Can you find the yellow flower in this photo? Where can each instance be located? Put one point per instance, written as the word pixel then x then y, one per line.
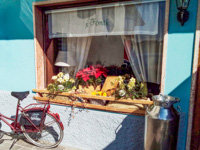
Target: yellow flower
pixel 60 74
pixel 93 93
pixel 141 85
pixel 122 86
pixel 74 88
pixel 120 79
pixel 104 94
pixel 72 80
pixel 100 93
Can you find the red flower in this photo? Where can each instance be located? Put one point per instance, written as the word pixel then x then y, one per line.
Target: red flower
pixel 95 71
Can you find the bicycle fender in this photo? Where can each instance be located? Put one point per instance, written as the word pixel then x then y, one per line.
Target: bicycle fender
pixel 57 117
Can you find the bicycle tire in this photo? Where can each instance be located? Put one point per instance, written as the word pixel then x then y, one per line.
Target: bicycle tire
pixel 1 134
pixel 38 138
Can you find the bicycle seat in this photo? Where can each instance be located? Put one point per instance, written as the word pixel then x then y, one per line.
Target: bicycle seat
pixel 20 95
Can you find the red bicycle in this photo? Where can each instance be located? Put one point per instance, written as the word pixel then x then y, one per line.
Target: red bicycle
pixel 39 126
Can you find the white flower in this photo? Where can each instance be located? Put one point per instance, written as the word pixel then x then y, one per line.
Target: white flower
pixel 132 80
pixel 120 79
pixel 61 87
pixel 130 86
pixel 60 74
pixel 54 77
pixel 131 83
pixel 66 77
pixel 60 80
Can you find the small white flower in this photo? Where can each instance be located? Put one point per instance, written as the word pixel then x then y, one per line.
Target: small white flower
pixel 66 77
pixel 54 77
pixel 60 80
pixel 132 80
pixel 61 87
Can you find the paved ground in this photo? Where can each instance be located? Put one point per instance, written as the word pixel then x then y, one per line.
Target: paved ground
pixel 23 145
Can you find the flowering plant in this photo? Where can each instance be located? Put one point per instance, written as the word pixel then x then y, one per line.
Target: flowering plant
pixel 93 75
pixel 115 70
pixel 130 88
pixel 61 83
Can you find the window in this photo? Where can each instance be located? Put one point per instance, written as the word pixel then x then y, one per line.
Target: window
pixel 124 34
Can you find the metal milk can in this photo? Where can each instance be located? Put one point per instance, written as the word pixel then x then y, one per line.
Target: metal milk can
pixel 161 124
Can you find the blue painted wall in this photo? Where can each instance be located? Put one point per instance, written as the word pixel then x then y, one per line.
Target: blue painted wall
pixel 179 62
pixel 17 61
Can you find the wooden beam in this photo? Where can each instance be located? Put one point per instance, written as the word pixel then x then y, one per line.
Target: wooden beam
pixel 88 96
pixel 50 3
pixel 39 46
pixel 91 106
pixel 164 55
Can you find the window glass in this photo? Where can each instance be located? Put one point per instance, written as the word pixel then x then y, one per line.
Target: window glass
pixel 126 38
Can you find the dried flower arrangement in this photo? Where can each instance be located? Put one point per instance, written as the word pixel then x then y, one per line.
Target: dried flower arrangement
pixel 130 88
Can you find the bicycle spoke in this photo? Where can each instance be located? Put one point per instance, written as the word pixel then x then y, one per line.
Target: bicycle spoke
pixel 51 133
pixel 49 123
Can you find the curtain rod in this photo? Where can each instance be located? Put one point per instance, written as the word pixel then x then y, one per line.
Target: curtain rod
pixel 101 5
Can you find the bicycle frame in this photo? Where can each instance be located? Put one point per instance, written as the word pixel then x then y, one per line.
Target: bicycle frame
pixel 15 126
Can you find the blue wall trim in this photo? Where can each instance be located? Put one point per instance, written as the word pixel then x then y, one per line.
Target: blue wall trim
pixel 179 62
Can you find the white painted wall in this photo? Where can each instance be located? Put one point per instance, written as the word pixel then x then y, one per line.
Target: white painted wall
pixel 90 129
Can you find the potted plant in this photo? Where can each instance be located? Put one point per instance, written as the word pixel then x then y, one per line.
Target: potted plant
pixel 130 88
pixel 91 78
pixel 61 83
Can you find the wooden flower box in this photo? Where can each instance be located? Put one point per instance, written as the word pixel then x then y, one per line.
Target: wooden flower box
pixel 133 111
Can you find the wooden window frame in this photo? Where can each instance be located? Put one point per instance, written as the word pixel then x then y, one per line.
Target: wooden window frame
pixel 44 46
pixel 39 38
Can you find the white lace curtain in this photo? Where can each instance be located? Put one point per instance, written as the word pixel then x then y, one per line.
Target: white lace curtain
pixel 145 52
pixel 80 46
pixel 139 25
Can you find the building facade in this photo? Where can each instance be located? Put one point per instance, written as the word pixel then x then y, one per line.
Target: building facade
pixel 91 129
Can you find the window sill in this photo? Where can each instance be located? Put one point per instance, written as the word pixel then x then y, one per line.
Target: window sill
pixel 132 111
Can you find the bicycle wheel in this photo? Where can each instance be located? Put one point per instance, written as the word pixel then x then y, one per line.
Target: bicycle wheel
pixel 50 136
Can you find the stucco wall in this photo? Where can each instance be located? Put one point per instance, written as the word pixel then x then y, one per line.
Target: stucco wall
pixel 89 130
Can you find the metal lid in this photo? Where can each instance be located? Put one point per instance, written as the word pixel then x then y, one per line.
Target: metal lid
pixel 165 100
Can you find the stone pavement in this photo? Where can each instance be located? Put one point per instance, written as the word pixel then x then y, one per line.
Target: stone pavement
pixel 21 144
